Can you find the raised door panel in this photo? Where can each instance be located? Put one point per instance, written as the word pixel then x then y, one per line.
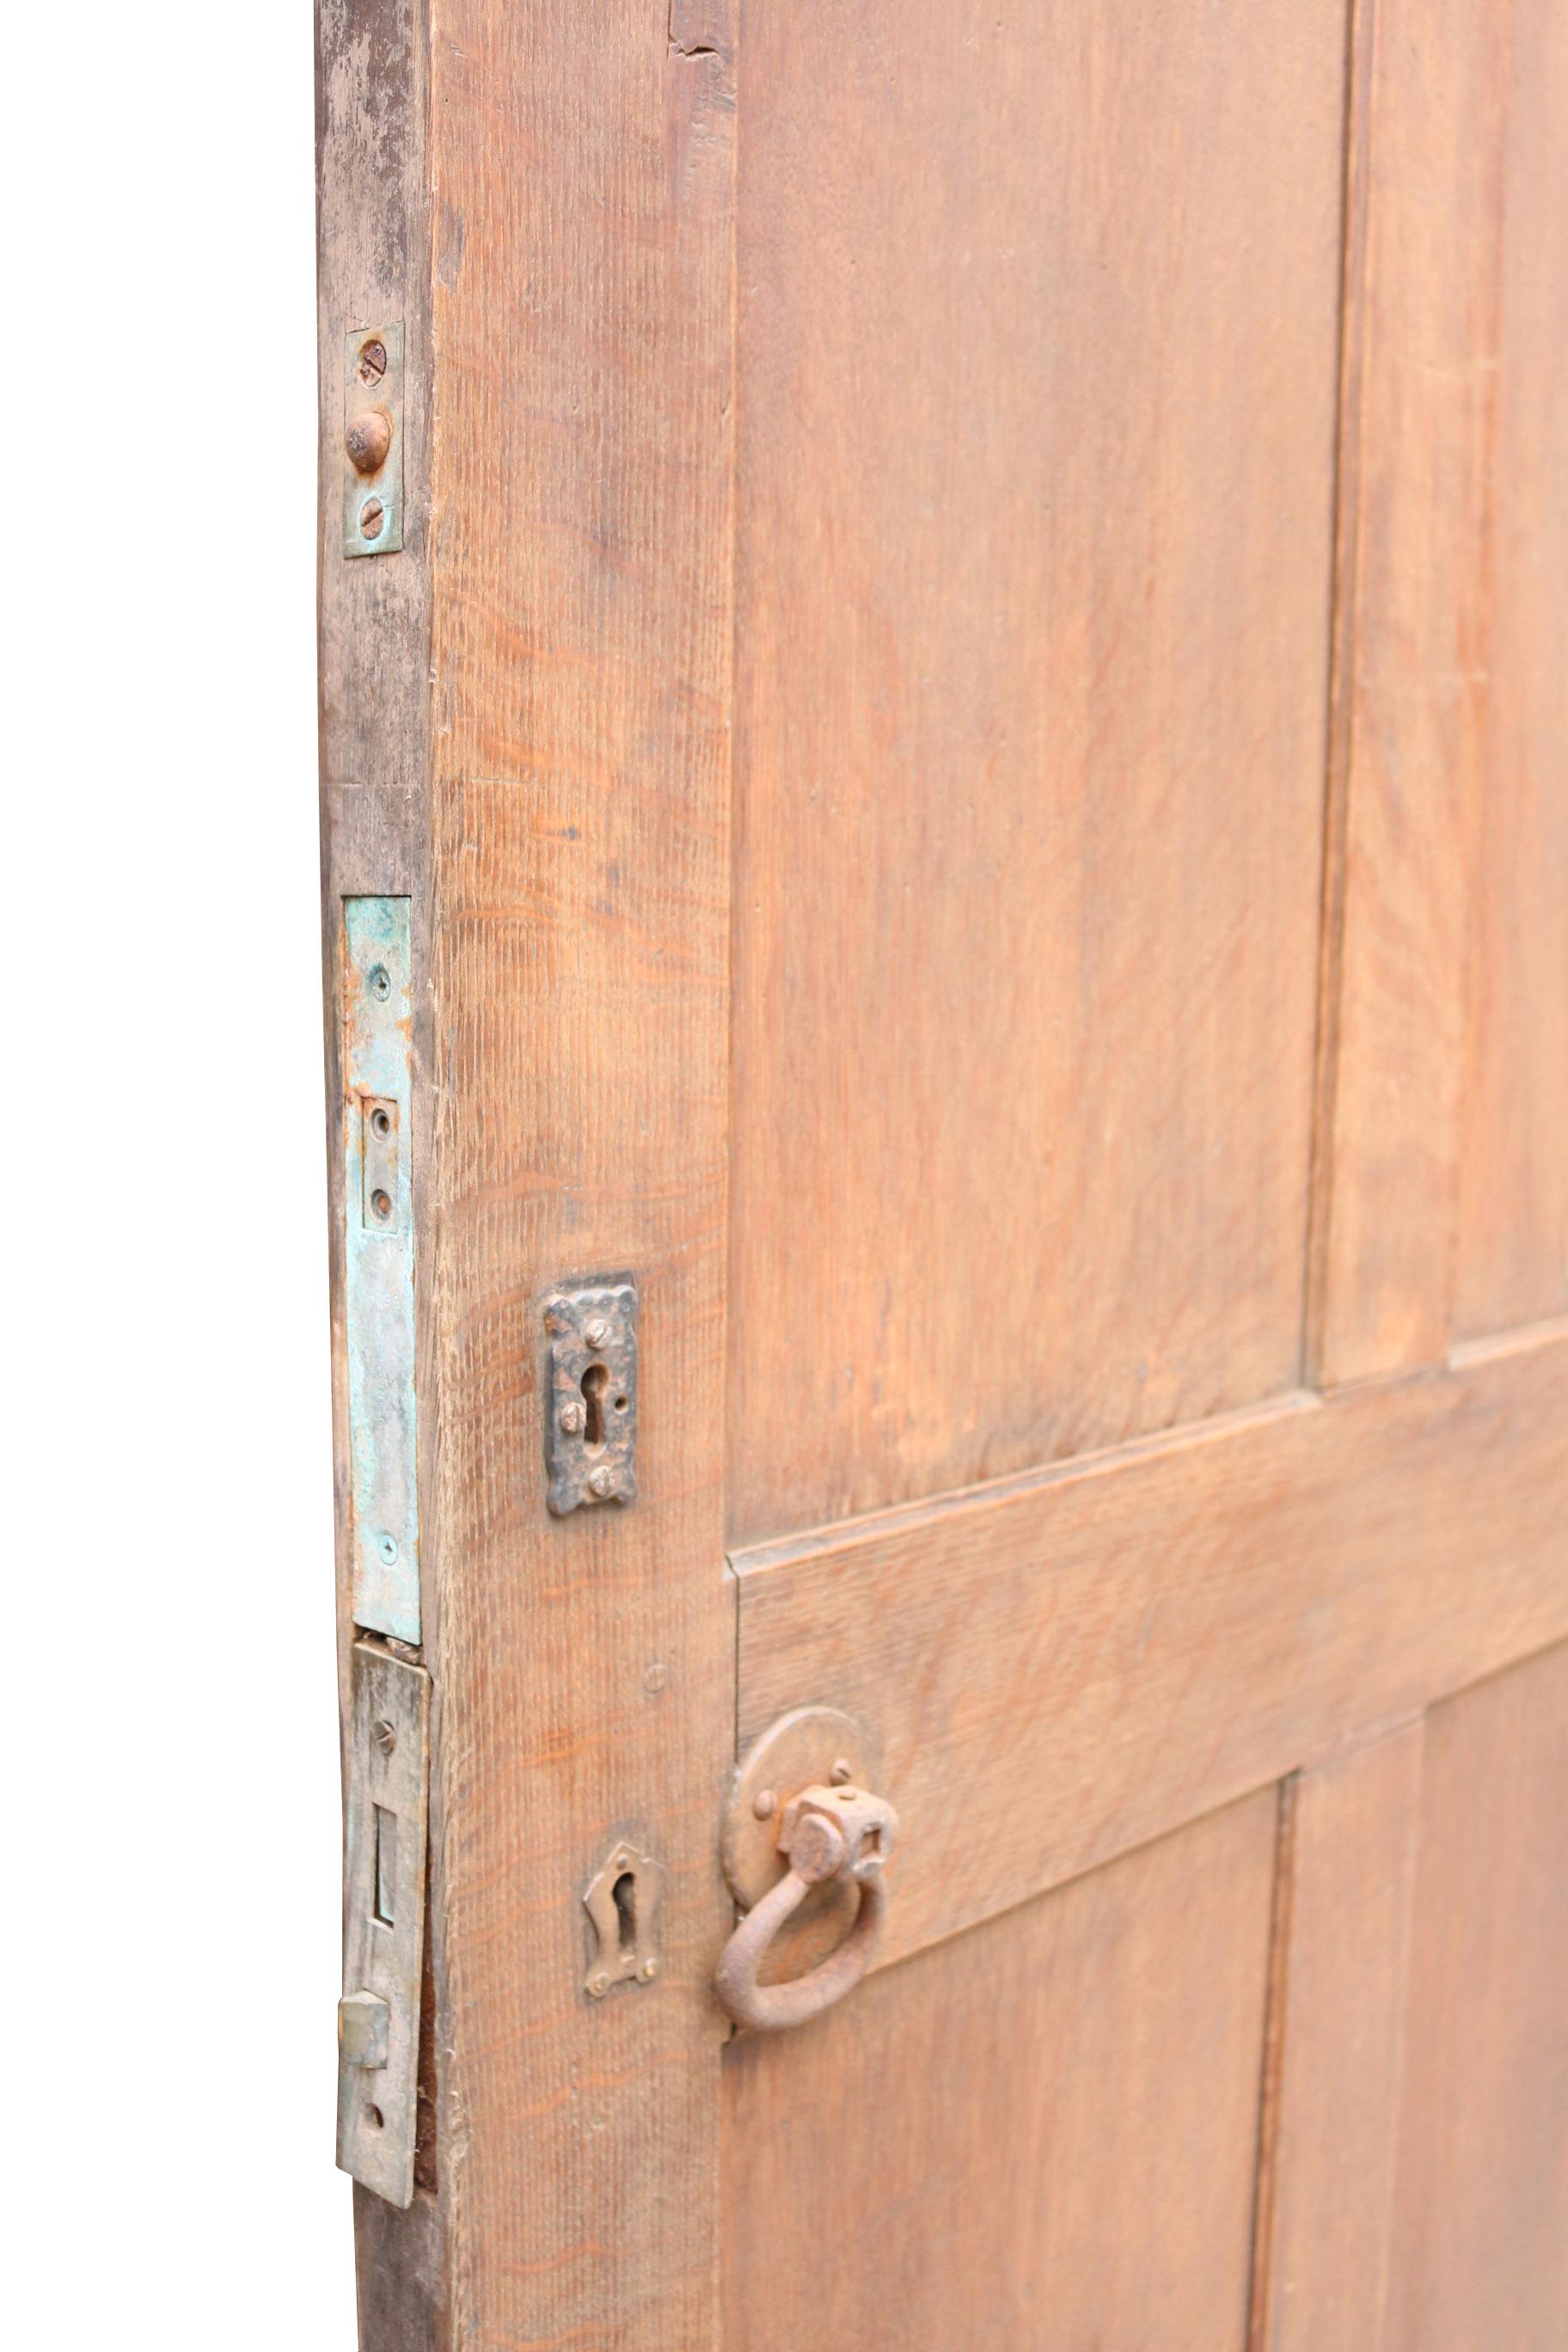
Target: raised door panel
pixel 1039 2136
pixel 1480 2240
pixel 1036 380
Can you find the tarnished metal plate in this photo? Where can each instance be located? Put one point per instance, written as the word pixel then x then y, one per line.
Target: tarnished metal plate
pixel 384 1941
pixel 372 440
pixel 622 1903
pixel 378 1212
pixel 591 1396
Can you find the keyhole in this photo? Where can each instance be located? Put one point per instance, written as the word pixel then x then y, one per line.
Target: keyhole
pixel 595 1381
pixel 624 1892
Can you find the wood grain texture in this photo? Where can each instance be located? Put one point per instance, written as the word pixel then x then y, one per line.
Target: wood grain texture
pixel 580 491
pixel 1348 1867
pixel 1480 2253
pixel 1447 1172
pixel 1135 1640
pixel 374 658
pixel 1039 2138
pixel 1038 364
pixel 1512 1259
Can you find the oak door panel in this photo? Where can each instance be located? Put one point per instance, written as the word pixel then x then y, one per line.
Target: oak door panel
pixel 1480 2243
pixel 1039 2136
pixel 1444 1204
pixel 1036 377
pixel 1331 2138
pixel 1513 1258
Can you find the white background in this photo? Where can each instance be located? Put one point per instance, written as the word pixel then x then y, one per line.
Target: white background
pixel 170 1744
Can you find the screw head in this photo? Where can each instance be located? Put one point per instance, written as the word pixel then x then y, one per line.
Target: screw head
pixel 649 1971
pixel 385 1735
pixel 387 1546
pixel 764 1804
pixel 655 1675
pixel 599 1983
pixel 373 362
pixel 372 516
pixel 596 1332
pixel 378 980
pixel 602 1482
pixel 842 1771
pixel 571 1419
pixel 367 441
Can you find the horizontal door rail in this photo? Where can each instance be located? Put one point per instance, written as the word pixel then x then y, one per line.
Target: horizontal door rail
pixel 1063 1665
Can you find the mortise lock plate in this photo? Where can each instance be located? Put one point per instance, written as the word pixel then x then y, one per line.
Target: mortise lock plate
pixel 591 1394
pixel 383 1946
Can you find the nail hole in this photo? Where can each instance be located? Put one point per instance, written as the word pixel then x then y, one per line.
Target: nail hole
pixel 620 1404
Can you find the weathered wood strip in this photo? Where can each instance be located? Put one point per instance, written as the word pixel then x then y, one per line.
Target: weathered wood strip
pixel 1060 1666
pixel 580 656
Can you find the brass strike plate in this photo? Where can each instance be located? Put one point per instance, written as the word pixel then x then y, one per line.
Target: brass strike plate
pixel 372 440
pixel 591 1394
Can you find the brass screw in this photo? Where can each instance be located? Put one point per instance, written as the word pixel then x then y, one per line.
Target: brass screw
pixel 650 1970
pixel 571 1419
pixel 367 441
pixel 764 1804
pixel 842 1771
pixel 596 1332
pixel 599 1984
pixel 384 1735
pixel 602 1482
pixel 372 362
pixel 372 515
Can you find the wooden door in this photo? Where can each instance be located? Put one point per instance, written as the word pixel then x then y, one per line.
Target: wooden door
pixel 972 721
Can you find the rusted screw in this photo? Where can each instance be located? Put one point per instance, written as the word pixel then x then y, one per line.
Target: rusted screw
pixel 649 1971
pixel 372 515
pixel 596 1332
pixel 602 1482
pixel 373 362
pixel 764 1804
pixel 599 1983
pixel 367 441
pixel 571 1419
pixel 842 1771
pixel 384 1735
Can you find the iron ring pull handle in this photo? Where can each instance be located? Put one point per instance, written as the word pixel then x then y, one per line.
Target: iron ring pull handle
pixel 825 1834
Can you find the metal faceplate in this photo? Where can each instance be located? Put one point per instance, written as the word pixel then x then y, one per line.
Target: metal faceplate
pixel 383 1945
pixel 378 1240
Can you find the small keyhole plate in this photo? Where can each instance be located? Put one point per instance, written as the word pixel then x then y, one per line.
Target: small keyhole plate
pixel 591 1394
pixel 622 1903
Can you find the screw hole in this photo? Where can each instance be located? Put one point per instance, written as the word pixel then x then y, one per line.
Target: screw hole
pixel 379 981
pixel 620 1404
pixel 381 1122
